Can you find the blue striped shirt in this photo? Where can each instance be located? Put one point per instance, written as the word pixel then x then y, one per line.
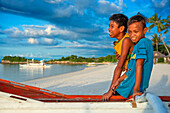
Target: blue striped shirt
pixel 142 50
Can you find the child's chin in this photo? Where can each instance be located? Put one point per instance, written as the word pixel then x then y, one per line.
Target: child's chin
pixel 133 41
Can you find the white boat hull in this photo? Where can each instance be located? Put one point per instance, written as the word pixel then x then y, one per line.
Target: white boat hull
pixel 34 65
pixel 11 105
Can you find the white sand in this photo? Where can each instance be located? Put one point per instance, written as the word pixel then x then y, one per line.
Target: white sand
pixel 96 81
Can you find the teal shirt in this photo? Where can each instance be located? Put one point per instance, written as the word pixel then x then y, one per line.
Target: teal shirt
pixel 142 50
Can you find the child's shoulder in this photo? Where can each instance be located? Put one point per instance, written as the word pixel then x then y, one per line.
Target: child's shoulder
pixel 144 43
pixel 127 40
pixel 144 40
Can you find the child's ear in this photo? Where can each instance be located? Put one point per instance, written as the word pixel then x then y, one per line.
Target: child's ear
pixel 145 30
pixel 122 28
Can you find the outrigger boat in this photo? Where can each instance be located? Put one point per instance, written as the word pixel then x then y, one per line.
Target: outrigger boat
pixel 17 97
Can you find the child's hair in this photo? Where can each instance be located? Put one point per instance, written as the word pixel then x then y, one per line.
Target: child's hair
pixel 138 18
pixel 120 19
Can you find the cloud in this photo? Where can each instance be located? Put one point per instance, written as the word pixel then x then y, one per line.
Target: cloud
pixel 36 31
pixel 33 41
pixel 47 40
pixel 84 46
pixel 73 15
pixel 107 8
pixel 159 4
pixel 162 7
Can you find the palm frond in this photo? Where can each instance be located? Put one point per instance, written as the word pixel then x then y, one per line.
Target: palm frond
pixel 150 27
pixel 165 20
pixel 161 25
pixel 166 31
pixel 156 16
pixel 159 18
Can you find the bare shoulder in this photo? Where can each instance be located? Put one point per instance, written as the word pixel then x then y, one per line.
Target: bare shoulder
pixel 127 41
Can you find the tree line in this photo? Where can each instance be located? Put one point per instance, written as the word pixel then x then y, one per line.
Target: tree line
pixel 15 58
pixel 18 59
pixel 74 58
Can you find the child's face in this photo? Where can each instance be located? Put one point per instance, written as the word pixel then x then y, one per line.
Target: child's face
pixel 136 31
pixel 114 31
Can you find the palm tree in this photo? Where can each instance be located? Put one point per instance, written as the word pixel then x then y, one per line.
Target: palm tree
pixel 157 22
pixel 156 40
pixel 167 25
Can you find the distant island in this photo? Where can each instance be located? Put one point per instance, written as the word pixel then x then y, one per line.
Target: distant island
pixel 73 59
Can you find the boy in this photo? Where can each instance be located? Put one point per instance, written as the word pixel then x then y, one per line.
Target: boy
pixel 124 46
pixel 136 79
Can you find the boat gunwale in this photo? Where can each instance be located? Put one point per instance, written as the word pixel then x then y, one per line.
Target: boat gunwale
pixel 45 95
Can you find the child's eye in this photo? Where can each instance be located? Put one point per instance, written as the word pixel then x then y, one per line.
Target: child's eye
pixel 135 31
pixel 111 26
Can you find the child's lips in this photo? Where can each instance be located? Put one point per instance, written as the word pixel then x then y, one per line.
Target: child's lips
pixel 133 39
pixel 110 33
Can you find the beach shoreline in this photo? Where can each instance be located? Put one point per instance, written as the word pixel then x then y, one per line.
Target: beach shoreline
pixel 97 80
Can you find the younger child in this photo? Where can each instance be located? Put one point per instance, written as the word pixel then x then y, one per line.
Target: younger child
pixel 136 79
pixel 117 29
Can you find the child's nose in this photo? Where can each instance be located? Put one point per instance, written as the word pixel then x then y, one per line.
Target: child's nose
pixel 133 34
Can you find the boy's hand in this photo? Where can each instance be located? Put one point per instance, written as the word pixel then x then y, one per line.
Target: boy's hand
pixel 107 96
pixel 117 56
pixel 115 85
pixel 112 90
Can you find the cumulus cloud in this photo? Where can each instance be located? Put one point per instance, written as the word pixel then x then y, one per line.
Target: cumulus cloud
pixel 59 11
pixel 71 19
pixel 106 7
pixel 161 4
pixel 36 31
pixel 47 40
pixel 33 41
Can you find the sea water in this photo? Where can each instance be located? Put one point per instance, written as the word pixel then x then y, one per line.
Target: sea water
pixel 15 73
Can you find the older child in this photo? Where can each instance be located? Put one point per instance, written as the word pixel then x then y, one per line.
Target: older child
pixel 124 46
pixel 136 79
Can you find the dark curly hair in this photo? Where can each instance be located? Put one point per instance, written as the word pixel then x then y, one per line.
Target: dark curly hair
pixel 138 18
pixel 120 19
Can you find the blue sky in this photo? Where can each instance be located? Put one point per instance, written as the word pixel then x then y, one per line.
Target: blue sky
pixel 54 28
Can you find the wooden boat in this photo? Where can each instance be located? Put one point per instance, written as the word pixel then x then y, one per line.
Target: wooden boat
pixel 29 98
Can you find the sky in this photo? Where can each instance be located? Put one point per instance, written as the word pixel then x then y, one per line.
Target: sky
pixel 50 29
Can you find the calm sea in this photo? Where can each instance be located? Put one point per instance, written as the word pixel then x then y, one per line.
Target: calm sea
pixel 18 74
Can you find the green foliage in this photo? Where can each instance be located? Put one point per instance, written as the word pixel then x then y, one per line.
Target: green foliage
pixel 160 60
pixel 15 59
pixel 74 58
pixel 161 49
pixel 161 25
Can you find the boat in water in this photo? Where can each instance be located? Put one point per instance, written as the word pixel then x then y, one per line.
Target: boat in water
pixel 25 98
pixel 91 64
pixel 41 64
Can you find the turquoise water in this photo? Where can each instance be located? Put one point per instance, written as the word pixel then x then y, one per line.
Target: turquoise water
pixel 18 74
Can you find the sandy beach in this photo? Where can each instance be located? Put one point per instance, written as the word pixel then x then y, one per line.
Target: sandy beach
pixel 96 81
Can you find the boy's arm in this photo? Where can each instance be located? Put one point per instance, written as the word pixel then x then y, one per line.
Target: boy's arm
pixel 107 95
pixel 138 77
pixel 119 80
pixel 126 44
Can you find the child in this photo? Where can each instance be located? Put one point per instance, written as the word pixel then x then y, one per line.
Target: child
pixel 136 79
pixel 124 46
